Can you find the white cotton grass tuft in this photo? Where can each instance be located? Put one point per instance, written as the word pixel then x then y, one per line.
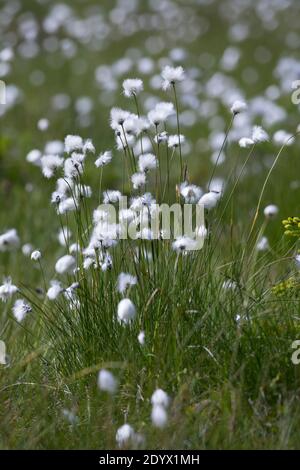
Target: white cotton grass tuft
pixel 125 280
pixel 246 142
pixel 126 311
pixel 176 140
pixel 65 265
pixel 27 249
pixel 138 180
pixel 7 290
pixel 184 244
pixel 190 192
pixel 73 143
pixel 160 397
pixel 132 87
pixel 210 200
pixel 103 159
pixel 107 382
pixel 111 196
pixel 297 261
pixel 271 211
pixel 21 309
pixel 259 135
pixel 141 338
pixel 54 290
pixel 36 255
pixel 171 76
pixel 159 416
pixel 238 107
pixel 125 434
pixel 263 244
pixel 147 162
pixel 9 240
pixel 160 402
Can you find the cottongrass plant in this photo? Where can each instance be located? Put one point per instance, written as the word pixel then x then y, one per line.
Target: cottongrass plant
pixel 119 318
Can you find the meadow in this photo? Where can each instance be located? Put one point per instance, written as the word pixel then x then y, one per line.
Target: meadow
pixel 147 343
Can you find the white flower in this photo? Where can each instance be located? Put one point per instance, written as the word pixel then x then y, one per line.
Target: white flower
pixel 141 338
pixel 20 309
pixel 73 167
pixel 73 143
pixel 34 157
pixel 263 244
pixel 161 398
pixel 132 87
pixel 64 235
pixel 161 137
pixel 43 124
pixel 118 117
pixel 171 75
pixel 183 244
pixel 190 192
pixel 159 416
pixel 124 435
pixel 124 281
pixel 27 249
pixel 210 200
pixel 259 135
pixel 50 163
pixel 246 142
pixel 36 255
pixel 138 180
pixel 238 107
pixel 9 240
pixel 271 211
pixel 147 162
pixel 65 264
pixel 111 196
pixel 281 137
pixel 126 311
pixel 55 289
pixel 175 140
pixel 160 113
pixel 297 261
pixel 88 147
pixel 7 290
pixel 103 159
pixel 107 382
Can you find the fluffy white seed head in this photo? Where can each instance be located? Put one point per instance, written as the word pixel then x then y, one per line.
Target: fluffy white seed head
pixel 125 280
pixel 21 309
pixel 65 264
pixel 103 159
pixel 132 87
pixel 172 75
pixel 36 255
pixel 159 416
pixel 73 143
pixel 210 200
pixel 107 381
pixel 9 240
pixel 124 435
pixel 259 135
pixel 238 107
pixel 271 211
pixel 126 311
pixel 147 162
pixel 161 398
